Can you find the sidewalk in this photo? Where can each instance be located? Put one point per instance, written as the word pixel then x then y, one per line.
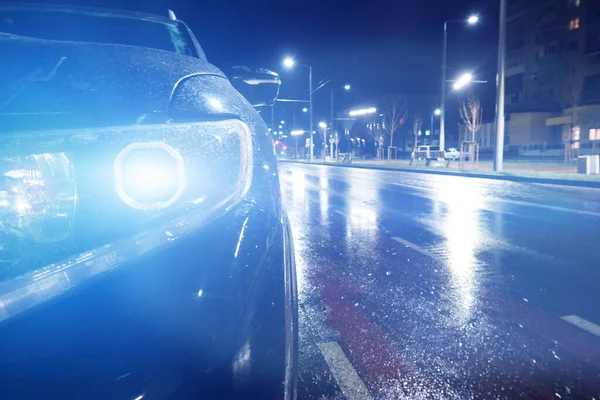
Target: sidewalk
pixel 516 171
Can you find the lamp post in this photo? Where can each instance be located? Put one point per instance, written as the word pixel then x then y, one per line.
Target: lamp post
pixel 472 20
pixel 346 88
pixel 499 153
pixel 289 62
pixel 436 113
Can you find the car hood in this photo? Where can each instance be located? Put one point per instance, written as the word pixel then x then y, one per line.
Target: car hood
pixel 94 84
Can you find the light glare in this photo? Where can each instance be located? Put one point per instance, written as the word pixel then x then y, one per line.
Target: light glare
pixel 463 81
pixel 288 62
pixel 145 179
pixel 364 111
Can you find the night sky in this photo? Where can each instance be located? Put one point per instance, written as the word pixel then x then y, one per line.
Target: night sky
pixel 380 47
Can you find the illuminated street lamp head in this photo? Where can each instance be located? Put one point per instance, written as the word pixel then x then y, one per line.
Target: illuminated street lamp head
pixel 322 125
pixel 437 112
pixel 282 122
pixel 473 19
pixel 363 111
pixel 288 62
pixel 346 87
pixel 463 81
pixel 305 109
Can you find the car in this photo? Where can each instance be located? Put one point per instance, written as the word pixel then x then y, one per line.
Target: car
pixel 425 152
pixel 144 250
pixel 452 154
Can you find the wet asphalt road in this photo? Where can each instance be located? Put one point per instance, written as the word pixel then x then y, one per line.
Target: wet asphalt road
pixel 424 286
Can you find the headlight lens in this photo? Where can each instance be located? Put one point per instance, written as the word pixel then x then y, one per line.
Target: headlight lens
pixel 149 176
pixel 75 204
pixel 37 196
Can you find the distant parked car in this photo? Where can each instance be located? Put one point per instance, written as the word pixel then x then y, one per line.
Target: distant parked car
pixel 452 154
pixel 426 152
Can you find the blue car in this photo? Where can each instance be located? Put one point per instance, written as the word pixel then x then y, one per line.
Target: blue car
pixel 144 251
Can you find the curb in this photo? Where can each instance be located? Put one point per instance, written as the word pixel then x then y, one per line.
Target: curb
pixel 510 178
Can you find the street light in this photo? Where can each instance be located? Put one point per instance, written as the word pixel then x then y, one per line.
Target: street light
pixel 472 20
pixel 304 109
pixel 346 88
pixel 437 112
pixel 282 122
pixel 289 62
pixel 362 111
pixel 322 125
pixel 463 81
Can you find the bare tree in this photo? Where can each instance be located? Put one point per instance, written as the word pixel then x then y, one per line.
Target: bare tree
pixel 568 89
pixel 471 113
pixel 417 123
pixel 395 115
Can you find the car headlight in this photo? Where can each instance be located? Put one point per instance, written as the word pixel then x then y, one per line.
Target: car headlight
pixel 74 204
pixel 37 196
pixel 149 176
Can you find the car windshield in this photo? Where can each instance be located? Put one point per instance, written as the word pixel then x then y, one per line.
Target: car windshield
pixel 97 28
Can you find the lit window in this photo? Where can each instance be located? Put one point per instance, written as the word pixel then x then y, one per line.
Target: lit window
pixel 574 24
pixel 594 134
pixel 576 132
pixel 574 3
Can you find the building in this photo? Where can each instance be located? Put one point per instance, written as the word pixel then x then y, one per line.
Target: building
pixel 553 72
pixel 485 136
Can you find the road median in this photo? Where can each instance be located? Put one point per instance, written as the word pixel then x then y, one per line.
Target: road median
pixel 514 175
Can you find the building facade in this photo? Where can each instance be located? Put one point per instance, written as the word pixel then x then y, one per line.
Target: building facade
pixel 553 72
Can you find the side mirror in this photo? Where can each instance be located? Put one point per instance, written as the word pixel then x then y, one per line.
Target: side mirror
pixel 259 86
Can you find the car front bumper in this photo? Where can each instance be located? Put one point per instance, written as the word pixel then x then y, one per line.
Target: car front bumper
pixel 212 315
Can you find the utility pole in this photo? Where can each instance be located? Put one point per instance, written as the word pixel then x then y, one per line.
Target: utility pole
pixel 444 83
pixel 331 116
pixel 273 118
pixel 432 131
pixel 500 122
pixel 310 101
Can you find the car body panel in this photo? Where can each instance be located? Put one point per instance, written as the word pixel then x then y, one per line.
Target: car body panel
pixel 149 327
pixel 212 314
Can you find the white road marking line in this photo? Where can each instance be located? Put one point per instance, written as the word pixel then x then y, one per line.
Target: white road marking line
pixel 583 324
pixel 344 373
pixel 413 246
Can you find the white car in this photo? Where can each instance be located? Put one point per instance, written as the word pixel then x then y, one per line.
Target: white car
pixel 424 151
pixel 452 154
